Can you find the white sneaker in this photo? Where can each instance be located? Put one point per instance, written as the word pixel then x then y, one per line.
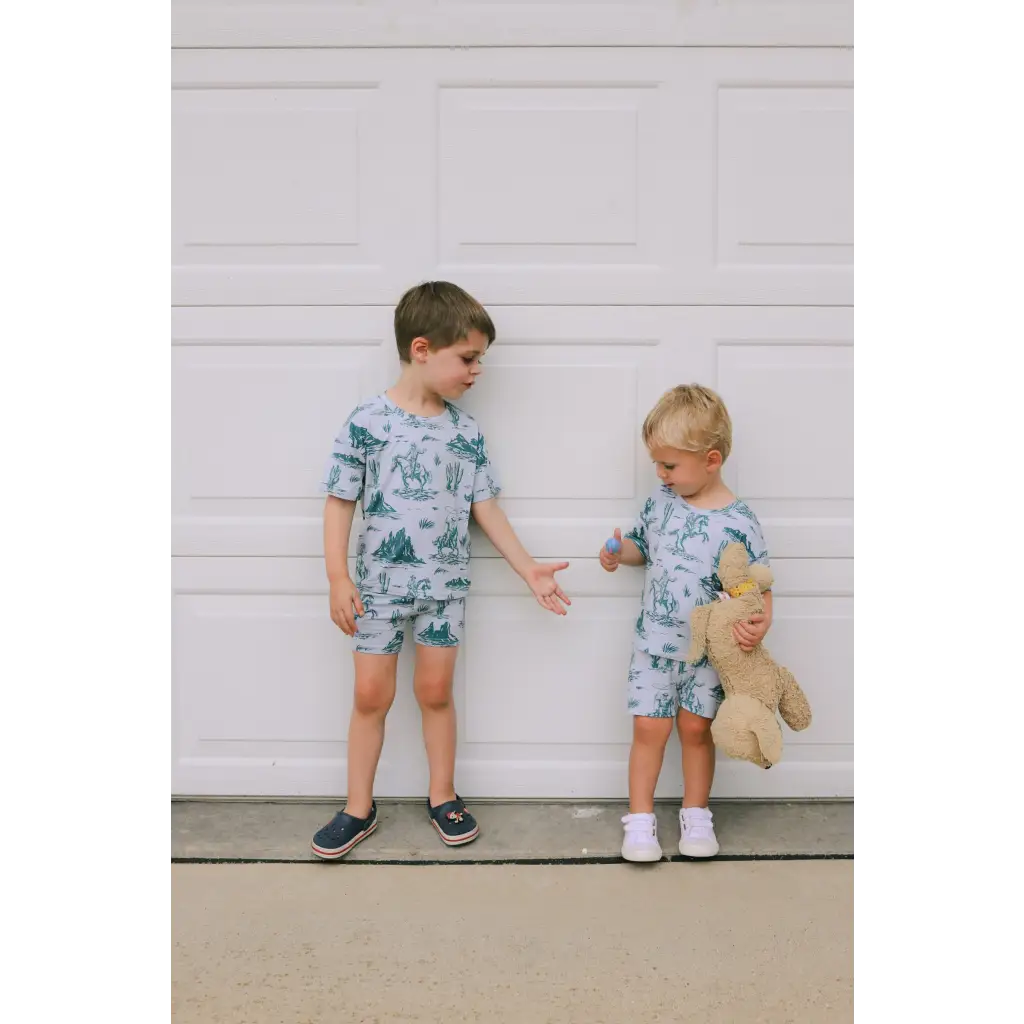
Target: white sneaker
pixel 640 838
pixel 696 833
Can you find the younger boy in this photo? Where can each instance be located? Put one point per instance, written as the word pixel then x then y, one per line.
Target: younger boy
pixel 420 467
pixel 679 537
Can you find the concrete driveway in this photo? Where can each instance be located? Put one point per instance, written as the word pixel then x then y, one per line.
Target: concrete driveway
pixel 720 943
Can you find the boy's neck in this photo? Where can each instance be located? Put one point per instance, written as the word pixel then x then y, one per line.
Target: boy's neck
pixel 712 496
pixel 412 395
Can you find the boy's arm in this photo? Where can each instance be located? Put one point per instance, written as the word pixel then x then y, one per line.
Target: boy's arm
pixel 539 577
pixel 630 553
pixel 338 516
pixel 749 634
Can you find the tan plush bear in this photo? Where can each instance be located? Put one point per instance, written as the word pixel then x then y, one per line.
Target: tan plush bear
pixel 755 686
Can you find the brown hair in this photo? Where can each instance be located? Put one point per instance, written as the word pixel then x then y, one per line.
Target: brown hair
pixel 691 418
pixel 440 312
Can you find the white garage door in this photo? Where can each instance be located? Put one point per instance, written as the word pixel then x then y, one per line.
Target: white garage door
pixel 665 195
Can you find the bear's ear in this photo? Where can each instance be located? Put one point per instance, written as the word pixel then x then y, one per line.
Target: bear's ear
pixel 733 564
pixel 762 576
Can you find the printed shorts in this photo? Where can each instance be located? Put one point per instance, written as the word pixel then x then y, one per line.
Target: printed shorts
pixel 435 622
pixel 660 687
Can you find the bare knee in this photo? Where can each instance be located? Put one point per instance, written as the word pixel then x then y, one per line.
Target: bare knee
pixel 433 691
pixel 372 700
pixel 651 732
pixel 694 729
pixel 374 690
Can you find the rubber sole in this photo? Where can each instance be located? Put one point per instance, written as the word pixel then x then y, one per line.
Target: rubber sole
pixel 342 850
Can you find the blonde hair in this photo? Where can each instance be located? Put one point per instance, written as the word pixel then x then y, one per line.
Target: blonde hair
pixel 691 418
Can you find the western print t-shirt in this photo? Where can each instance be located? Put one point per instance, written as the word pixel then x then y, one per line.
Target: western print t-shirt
pixel 682 545
pixel 416 477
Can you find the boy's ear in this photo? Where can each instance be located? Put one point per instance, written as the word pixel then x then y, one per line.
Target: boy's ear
pixel 418 349
pixel 714 459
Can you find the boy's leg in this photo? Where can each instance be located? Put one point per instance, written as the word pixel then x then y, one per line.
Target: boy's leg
pixel 699 694
pixel 698 758
pixel 650 735
pixel 438 629
pixel 432 684
pixel 372 698
pixel 652 701
pixel 699 697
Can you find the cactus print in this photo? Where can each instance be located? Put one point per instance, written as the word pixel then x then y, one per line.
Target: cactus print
pixel 681 546
pixel 434 623
pixel 660 687
pixel 416 479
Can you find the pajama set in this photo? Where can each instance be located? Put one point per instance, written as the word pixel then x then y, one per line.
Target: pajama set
pixel 417 478
pixel 681 546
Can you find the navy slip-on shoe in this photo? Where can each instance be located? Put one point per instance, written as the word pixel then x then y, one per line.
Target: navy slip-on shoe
pixel 342 833
pixel 454 824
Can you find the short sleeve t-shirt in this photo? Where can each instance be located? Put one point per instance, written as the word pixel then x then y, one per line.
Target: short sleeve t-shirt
pixel 417 478
pixel 682 545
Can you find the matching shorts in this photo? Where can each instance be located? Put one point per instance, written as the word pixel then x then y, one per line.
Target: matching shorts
pixel 435 622
pixel 660 687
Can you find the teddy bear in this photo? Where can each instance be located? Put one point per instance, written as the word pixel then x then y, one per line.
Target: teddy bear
pixel 755 686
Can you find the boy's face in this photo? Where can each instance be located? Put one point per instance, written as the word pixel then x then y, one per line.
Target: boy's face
pixel 452 371
pixel 686 473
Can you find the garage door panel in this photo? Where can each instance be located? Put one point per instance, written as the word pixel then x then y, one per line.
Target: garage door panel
pixel 492 577
pixel 569 175
pixel 513 23
pixel 261 669
pixel 793 406
pixel 263 689
pixel 573 438
pixel 270 169
pixel 536 679
pixel 634 217
pixel 263 684
pixel 274 183
pixel 785 176
pixel 282 326
pixel 565 176
pixel 813 638
pixel 825 773
pixel 561 400
pixel 258 395
pixel 250 424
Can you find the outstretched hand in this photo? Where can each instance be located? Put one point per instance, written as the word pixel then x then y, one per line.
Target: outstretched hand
pixel 540 578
